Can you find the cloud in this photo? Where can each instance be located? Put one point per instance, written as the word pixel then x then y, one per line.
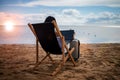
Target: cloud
pixel 66 17
pixel 71 12
pixel 71 17
pixel 110 3
pixel 16 18
pixel 34 18
pixel 74 17
pixel 103 18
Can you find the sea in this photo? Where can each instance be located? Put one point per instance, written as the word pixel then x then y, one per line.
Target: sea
pixel 21 34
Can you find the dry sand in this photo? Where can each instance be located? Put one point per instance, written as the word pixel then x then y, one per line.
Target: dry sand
pixel 96 62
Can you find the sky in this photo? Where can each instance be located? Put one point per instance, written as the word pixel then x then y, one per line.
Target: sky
pixel 101 17
pixel 66 12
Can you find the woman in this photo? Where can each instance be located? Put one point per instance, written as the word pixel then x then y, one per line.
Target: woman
pixel 50 19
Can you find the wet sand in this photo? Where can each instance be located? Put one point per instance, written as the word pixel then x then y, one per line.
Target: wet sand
pixel 96 62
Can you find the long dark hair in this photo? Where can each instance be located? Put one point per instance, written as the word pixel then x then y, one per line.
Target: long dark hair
pixel 49 19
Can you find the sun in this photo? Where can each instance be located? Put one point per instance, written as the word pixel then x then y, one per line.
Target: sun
pixel 9 26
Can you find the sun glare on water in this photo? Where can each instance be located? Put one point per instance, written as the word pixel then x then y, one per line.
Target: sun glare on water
pixel 9 26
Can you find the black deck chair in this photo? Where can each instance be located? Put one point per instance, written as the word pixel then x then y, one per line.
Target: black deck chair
pixel 45 34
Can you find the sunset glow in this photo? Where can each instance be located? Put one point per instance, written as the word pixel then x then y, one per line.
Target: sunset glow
pixel 9 26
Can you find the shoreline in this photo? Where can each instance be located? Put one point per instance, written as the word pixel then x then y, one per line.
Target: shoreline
pixel 80 43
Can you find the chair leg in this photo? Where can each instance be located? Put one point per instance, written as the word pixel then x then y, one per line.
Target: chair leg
pixel 51 59
pixel 37 49
pixel 69 53
pixel 72 60
pixel 62 63
pixel 58 68
pixel 41 61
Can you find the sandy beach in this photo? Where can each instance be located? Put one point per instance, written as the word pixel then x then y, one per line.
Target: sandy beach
pixel 96 62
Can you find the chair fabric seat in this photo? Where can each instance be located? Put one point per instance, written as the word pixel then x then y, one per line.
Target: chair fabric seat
pixel 47 37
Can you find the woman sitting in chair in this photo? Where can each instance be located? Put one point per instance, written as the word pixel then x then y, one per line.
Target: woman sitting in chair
pixel 50 19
